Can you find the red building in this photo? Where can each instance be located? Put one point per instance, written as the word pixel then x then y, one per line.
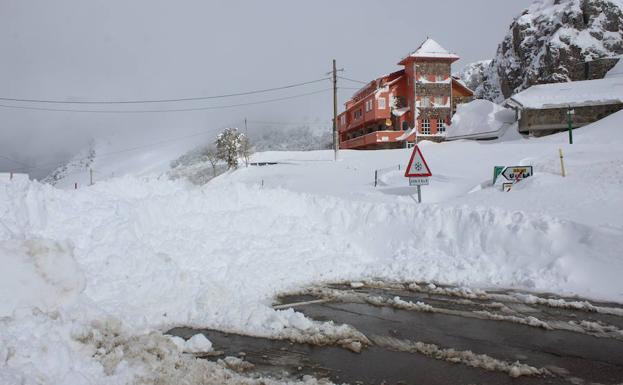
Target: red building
pixel 389 110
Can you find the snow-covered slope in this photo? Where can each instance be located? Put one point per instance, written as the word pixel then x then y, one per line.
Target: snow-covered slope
pixel 550 41
pixel 117 263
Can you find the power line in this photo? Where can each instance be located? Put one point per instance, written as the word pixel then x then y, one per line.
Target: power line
pixel 352 80
pixel 165 110
pixel 14 161
pixel 51 101
pixel 290 123
pixel 130 149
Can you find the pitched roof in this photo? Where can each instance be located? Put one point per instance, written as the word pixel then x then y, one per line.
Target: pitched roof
pixel 431 49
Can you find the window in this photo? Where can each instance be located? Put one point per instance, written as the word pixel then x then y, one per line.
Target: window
pixel 343 120
pixel 440 78
pixel 438 101
pixel 441 125
pixel 405 126
pixel 368 105
pixel 381 103
pixel 425 102
pixel 425 126
pixel 358 114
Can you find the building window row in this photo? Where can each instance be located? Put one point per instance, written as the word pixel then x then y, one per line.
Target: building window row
pixel 425 126
pixel 436 101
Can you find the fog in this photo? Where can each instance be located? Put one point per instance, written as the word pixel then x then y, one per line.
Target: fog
pixel 113 50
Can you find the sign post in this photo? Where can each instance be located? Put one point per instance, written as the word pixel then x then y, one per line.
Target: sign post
pixel 517 173
pixel 570 113
pixel 418 171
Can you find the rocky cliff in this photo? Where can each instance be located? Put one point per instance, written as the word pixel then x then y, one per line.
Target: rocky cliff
pixel 553 41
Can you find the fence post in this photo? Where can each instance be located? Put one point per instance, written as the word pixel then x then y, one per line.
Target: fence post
pixel 11 176
pixel 376 177
pixel 562 163
pixel 75 185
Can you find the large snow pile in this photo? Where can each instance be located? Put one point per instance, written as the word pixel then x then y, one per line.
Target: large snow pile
pixel 480 119
pixel 40 273
pixel 111 266
pixel 550 41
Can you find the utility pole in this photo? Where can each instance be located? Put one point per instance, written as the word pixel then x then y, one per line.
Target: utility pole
pixel 246 143
pixel 336 143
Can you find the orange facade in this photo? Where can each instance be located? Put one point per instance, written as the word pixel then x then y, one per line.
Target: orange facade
pixel 381 114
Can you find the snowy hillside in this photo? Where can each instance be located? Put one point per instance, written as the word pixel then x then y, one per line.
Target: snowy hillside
pixel 111 266
pixel 549 42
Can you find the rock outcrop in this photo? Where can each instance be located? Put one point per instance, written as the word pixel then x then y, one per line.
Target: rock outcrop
pixel 554 41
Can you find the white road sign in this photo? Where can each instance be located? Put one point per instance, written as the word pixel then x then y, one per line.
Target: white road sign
pixel 417 167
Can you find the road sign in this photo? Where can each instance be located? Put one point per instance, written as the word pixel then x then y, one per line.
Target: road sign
pixel 418 181
pixel 417 167
pixel 506 187
pixel 517 173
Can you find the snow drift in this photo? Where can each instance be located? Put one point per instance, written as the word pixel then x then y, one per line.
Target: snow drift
pixel 480 119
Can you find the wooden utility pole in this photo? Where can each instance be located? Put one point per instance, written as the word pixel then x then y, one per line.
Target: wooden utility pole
pixel 336 142
pixel 246 143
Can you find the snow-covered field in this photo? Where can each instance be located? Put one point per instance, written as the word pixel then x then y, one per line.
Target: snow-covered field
pixel 92 277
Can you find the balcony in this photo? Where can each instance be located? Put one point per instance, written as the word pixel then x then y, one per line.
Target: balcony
pixel 367 118
pixel 374 138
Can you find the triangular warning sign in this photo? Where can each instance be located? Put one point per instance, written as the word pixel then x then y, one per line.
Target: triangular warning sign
pixel 417 167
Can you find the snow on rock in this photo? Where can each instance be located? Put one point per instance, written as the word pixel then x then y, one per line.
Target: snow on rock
pixel 480 118
pixel 473 74
pixel 198 344
pixel 37 273
pixel 549 42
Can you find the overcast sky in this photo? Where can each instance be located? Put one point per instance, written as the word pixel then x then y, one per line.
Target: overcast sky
pixel 74 50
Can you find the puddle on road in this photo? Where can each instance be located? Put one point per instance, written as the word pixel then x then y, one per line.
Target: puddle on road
pixel 425 334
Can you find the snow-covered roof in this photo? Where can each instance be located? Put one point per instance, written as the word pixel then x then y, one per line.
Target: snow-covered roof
pixel 574 94
pixel 617 70
pixel 431 49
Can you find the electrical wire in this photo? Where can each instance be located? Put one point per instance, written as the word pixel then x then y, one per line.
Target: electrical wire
pixel 51 101
pixel 165 110
pixel 288 123
pixel 352 80
pixel 130 149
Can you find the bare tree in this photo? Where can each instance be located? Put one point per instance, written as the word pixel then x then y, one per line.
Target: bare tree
pixel 210 155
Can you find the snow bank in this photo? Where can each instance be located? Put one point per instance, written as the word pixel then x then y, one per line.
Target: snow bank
pixel 37 273
pixel 115 263
pixel 480 119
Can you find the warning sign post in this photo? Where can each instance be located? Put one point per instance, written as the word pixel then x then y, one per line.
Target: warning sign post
pixel 418 171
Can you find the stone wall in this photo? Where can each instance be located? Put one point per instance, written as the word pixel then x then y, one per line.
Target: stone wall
pixel 547 121
pixel 597 69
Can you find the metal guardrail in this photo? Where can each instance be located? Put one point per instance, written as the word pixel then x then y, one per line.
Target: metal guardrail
pixel 382 171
